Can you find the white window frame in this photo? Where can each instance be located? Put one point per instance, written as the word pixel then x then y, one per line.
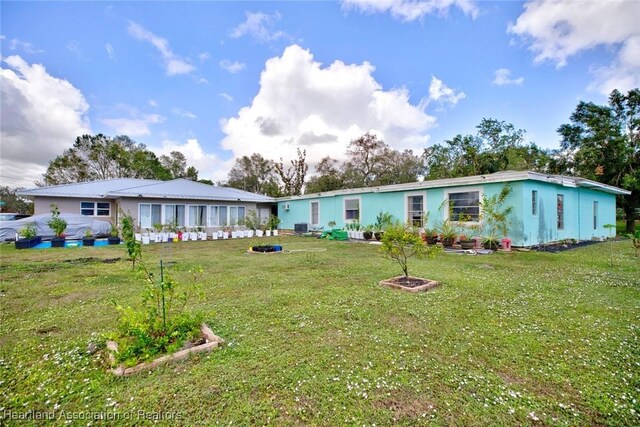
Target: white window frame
pixel 480 191
pixel 186 213
pixel 311 203
pixel 150 213
pixel 424 205
pixel 344 209
pixel 190 221
pixel 225 218
pixel 95 209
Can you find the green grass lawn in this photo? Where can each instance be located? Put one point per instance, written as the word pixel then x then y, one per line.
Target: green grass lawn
pixel 312 339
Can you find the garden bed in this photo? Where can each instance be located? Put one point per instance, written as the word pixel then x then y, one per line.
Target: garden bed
pixel 410 284
pixel 208 342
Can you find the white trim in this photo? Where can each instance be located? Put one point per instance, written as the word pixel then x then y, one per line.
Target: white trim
pixel 95 208
pixel 448 191
pixel 344 209
pixel 311 202
pixel 406 204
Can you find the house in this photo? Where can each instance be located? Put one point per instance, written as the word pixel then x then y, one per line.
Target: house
pixel 180 201
pixel 545 208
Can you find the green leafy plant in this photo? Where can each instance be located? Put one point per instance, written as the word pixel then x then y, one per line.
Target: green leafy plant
pixel 495 217
pixel 448 230
pixel 29 231
pixel 635 241
pixel 134 248
pixel 88 233
pixel 251 220
pixel 56 223
pixel 383 221
pixel 331 224
pixel 400 243
pixel 274 221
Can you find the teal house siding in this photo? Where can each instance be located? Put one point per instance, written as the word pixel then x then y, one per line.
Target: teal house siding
pixel 586 205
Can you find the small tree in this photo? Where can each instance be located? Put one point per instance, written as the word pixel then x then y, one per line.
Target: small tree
pixel 399 243
pixel 635 241
pixel 495 217
pixel 57 224
pixel 134 249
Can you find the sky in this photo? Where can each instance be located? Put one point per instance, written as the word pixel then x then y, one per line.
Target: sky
pixel 217 80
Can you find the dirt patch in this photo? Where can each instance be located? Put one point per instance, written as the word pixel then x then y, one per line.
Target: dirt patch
pixel 403 405
pixel 46 330
pixel 90 260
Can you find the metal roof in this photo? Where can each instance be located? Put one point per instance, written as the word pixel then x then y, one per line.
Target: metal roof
pixel 129 187
pixel 506 176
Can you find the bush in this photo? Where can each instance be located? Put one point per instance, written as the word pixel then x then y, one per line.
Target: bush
pixel 399 243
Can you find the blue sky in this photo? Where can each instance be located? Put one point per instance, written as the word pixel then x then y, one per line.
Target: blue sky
pixel 217 80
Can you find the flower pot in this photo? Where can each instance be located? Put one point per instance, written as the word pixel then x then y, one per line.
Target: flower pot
pixel 113 240
pixel 268 233
pixel 491 245
pixel 378 235
pixel 146 239
pixel 28 243
pixel 165 237
pixel 214 235
pixel 367 235
pixel 447 242
pixel 225 234
pixel 506 244
pixel 138 237
pixel 88 241
pixel 432 240
pixel 234 234
pixel 259 233
pixel 467 244
pixel 193 236
pixel 275 232
pixel 58 242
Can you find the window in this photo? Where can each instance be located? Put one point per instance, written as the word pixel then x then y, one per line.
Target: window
pixel 217 216
pixel 95 208
pixel 352 209
pixel 464 206
pixel 149 215
pixel 315 213
pixel 534 202
pixel 174 214
pixel 560 208
pixel 197 216
pixel 415 210
pixel 595 215
pixel 236 215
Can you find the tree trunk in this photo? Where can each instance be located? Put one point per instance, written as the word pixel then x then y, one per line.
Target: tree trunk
pixel 630 214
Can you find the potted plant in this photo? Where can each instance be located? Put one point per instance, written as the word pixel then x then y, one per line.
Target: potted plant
pixel 495 218
pixel 58 225
pixel 383 221
pixel 88 239
pixel 368 232
pixel 274 221
pixel 114 237
pixel 491 240
pixel 28 238
pixel 448 233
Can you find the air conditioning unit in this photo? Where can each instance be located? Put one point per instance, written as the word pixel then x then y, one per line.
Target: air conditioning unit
pixel 285 206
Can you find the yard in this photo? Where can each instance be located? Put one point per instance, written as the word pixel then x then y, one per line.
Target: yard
pixel 510 338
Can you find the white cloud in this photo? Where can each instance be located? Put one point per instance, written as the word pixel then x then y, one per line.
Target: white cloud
pixel 204 56
pixel 410 10
pixel 41 115
pixel 232 67
pixel 502 78
pixel 302 104
pixel 110 52
pixel 133 126
pixel 226 96
pixel 260 26
pixel 203 81
pixel 74 48
pixel 209 165
pixel 183 113
pixel 15 44
pixel 153 103
pixel 556 31
pixel 443 94
pixel 173 63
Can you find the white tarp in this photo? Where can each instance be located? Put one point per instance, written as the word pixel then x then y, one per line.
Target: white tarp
pixel 77 226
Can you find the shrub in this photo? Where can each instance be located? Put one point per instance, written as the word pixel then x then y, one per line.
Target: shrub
pixel 57 224
pixel 29 231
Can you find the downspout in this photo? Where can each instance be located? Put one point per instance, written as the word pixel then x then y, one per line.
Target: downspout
pixel 579 234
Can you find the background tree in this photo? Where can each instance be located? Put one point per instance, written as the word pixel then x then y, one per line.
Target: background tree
pixel 97 157
pixel 328 177
pixel 255 174
pixel 293 177
pixel 602 143
pixel 497 146
pixel 13 202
